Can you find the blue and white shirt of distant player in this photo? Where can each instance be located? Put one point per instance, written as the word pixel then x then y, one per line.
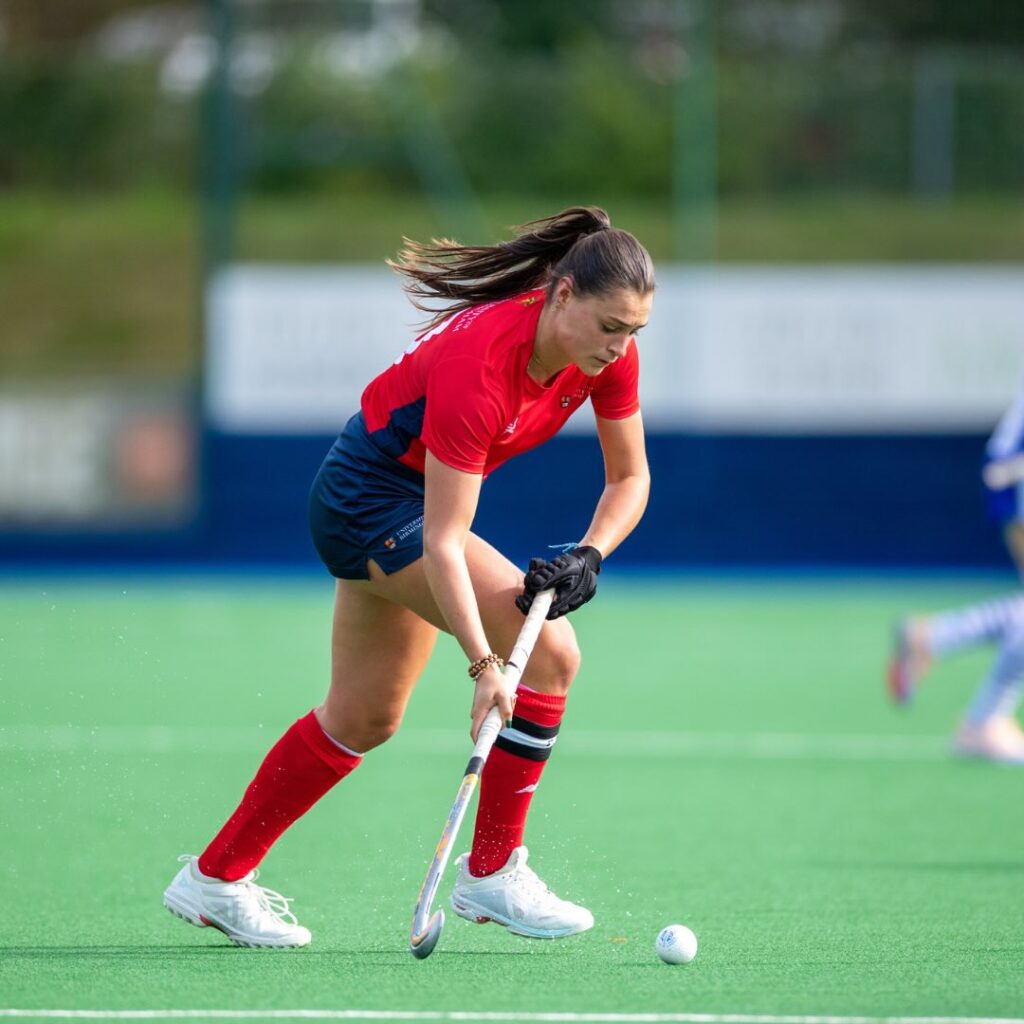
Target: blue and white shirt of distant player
pixel 1003 471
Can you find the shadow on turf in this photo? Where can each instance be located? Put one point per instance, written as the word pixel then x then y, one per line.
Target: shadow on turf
pixel 154 952
pixel 116 951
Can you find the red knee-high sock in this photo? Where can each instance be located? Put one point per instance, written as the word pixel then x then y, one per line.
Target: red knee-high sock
pixel 303 765
pixel 510 778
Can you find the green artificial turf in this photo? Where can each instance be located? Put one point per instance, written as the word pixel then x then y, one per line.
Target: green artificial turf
pixel 728 761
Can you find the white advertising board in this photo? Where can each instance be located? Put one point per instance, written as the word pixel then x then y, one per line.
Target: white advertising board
pixel 96 456
pixel 872 349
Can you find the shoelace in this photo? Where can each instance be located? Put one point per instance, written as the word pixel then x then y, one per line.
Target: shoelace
pixel 267 900
pixel 533 884
pixel 272 902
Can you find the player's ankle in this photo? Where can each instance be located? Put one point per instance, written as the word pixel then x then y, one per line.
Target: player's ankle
pixel 917 635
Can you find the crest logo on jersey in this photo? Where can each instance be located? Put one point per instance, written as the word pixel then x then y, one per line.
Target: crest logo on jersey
pixel 579 395
pixel 390 543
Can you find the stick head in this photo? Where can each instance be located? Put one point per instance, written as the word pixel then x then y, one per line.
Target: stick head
pixel 421 945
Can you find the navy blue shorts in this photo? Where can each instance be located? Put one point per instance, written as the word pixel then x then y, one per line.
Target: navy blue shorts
pixel 363 505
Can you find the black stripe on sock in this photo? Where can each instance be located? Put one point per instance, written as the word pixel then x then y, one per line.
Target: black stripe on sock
pixel 522 750
pixel 538 732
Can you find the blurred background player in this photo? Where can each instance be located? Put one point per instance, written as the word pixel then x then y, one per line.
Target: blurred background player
pixel 990 728
pixel 531 329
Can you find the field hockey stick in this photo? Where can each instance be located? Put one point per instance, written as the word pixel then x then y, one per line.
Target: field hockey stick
pixel 426 928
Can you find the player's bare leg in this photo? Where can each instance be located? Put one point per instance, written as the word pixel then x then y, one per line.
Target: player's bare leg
pixel 379 650
pixel 496 581
pixel 910 659
pixel 990 729
pixel 1013 536
pixel 494 882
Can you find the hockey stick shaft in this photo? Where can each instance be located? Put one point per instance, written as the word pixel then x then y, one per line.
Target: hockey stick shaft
pixel 423 925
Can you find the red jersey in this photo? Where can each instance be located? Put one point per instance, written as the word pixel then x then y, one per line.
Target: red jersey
pixel 462 392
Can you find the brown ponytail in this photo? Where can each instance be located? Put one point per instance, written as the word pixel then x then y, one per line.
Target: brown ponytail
pixel 578 242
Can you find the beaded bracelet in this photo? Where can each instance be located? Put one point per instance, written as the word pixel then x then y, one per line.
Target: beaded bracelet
pixel 477 668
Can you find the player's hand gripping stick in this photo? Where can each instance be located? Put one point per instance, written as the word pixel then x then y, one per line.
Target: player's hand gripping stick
pixel 571 575
pixel 426 928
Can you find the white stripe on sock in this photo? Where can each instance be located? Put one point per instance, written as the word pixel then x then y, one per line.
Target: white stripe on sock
pixel 515 736
pixel 338 743
pixel 999 695
pixel 977 624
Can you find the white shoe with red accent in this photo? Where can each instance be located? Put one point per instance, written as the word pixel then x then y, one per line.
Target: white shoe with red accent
pixel 515 897
pixel 1000 739
pixel 248 914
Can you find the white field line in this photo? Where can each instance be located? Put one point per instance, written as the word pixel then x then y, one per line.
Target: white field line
pixel 158 739
pixel 489 1015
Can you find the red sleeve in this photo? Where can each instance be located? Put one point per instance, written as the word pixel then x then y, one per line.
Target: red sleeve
pixel 464 413
pixel 615 395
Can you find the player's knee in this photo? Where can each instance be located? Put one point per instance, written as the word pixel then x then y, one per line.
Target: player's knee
pixel 378 729
pixel 361 732
pixel 560 660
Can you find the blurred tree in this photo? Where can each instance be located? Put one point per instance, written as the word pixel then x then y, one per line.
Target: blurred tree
pixel 811 94
pixel 517 25
pixel 543 26
pixel 999 22
pixel 30 24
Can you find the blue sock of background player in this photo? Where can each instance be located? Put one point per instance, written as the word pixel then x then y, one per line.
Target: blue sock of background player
pixel 990 728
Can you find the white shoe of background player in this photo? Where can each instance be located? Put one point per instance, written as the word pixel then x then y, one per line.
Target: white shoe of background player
pixel 515 897
pixel 1000 739
pixel 246 913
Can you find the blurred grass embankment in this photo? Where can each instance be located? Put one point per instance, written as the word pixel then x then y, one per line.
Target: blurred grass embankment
pixel 102 284
pixel 858 131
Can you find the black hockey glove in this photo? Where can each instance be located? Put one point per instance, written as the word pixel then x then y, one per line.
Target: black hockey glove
pixel 573 576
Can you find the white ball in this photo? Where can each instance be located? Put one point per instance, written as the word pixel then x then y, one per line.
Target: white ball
pixel 676 944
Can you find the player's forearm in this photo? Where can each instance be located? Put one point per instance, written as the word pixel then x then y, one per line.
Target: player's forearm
pixel 448 577
pixel 621 507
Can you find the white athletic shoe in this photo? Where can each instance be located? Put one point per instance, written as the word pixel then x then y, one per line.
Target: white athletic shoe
pixel 1000 739
pixel 516 898
pixel 246 913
